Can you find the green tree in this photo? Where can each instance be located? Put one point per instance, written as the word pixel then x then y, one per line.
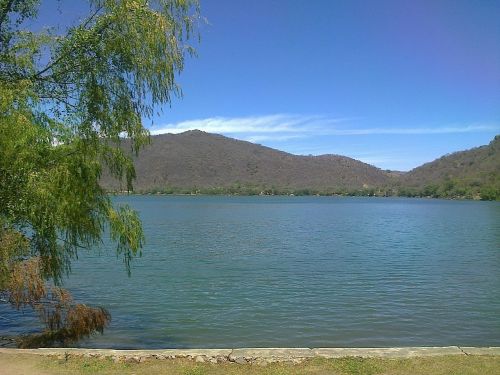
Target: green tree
pixel 66 102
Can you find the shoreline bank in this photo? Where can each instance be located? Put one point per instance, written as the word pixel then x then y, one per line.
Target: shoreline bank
pixel 254 355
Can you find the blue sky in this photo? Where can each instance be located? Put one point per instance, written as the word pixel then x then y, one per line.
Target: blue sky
pixel 392 83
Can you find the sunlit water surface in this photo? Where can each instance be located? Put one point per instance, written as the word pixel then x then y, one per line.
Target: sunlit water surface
pixel 297 272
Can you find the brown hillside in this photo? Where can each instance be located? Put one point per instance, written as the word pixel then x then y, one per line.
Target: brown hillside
pixel 475 167
pixel 198 159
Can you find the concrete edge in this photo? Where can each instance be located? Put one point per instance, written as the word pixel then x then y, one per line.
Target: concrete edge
pixel 254 355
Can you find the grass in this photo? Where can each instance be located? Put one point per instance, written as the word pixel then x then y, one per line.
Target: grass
pixel 445 365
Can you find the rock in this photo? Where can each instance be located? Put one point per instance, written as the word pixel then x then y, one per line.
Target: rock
pixel 134 359
pixel 239 360
pixel 199 359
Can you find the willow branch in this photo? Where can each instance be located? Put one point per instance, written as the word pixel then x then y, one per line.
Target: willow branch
pixel 6 10
pixel 61 57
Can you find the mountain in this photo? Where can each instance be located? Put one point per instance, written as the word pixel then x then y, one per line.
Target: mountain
pixel 465 173
pixel 195 159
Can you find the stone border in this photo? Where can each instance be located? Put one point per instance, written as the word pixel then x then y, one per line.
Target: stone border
pixel 260 356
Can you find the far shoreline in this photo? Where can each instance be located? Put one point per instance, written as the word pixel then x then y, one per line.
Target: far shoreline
pixel 199 194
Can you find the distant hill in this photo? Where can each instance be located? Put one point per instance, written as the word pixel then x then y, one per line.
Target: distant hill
pixel 197 160
pixel 475 172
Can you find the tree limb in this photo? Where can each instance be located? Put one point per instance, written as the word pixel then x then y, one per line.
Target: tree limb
pixel 59 59
pixel 3 15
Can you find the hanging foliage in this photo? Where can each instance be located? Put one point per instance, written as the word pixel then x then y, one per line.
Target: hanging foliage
pixel 66 102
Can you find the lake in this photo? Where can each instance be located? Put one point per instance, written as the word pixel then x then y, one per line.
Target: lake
pixel 298 272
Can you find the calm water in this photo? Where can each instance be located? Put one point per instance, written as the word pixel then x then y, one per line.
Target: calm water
pixel 299 272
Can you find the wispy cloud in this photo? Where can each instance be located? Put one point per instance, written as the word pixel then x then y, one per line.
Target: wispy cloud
pixel 283 127
pixel 273 137
pixel 257 128
pixel 415 131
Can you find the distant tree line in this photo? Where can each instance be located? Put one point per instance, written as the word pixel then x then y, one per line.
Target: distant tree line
pixel 450 189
